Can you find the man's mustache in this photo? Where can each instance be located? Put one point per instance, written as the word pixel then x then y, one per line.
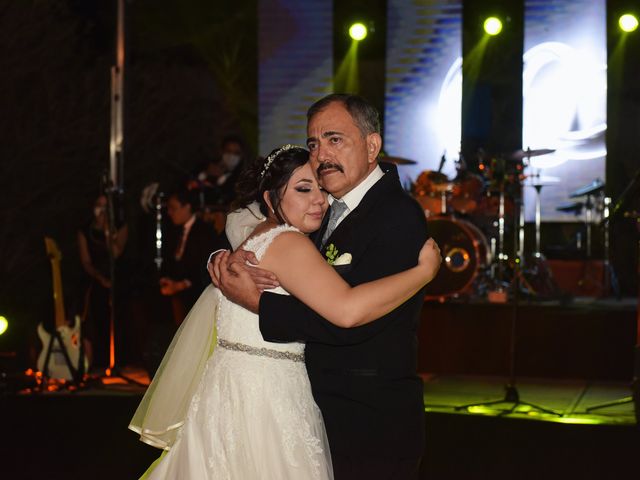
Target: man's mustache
pixel 327 166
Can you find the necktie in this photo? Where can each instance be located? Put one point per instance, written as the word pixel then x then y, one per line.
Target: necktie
pixel 338 207
pixel 183 241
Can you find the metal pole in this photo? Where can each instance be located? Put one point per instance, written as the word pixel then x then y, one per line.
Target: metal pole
pixel 116 159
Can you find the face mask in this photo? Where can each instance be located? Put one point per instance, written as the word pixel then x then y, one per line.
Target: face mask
pixel 230 160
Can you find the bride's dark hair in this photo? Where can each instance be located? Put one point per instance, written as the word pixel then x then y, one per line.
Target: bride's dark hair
pixel 269 175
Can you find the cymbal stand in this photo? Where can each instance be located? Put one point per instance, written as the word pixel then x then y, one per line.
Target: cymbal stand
pixel 589 220
pixel 537 253
pixel 501 255
pixel 588 278
pixel 610 277
pixel 498 291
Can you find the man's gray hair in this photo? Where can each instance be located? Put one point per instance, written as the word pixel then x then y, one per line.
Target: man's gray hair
pixel 364 115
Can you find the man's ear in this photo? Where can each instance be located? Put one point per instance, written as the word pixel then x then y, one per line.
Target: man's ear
pixel 374 144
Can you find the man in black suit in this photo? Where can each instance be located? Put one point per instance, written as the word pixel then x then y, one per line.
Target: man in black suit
pixel 187 245
pixel 363 379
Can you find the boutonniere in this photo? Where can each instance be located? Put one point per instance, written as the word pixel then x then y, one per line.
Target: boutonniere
pixel 333 257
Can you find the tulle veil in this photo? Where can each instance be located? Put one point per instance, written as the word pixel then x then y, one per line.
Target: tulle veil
pixel 164 406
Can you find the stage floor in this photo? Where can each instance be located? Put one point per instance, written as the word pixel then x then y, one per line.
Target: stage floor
pixel 83 434
pixel 569 400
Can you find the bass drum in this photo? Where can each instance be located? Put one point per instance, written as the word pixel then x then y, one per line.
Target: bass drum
pixel 464 252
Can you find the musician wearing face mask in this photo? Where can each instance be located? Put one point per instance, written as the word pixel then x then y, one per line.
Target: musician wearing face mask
pixel 219 177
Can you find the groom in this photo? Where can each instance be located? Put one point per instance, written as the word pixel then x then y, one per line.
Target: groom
pixel 363 379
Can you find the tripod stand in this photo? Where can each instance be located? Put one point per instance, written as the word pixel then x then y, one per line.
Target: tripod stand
pixel 512 396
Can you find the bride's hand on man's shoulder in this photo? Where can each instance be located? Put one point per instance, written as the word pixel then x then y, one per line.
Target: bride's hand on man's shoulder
pixel 263 279
pixel 430 258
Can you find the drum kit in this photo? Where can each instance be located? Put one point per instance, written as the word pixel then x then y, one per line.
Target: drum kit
pixel 470 215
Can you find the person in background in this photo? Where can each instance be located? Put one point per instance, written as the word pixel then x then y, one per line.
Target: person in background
pixel 96 243
pixel 183 275
pixel 219 176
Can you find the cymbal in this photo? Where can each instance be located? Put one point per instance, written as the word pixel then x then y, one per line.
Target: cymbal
pixel 594 187
pixel 572 207
pixel 540 180
pixel 520 154
pixel 397 160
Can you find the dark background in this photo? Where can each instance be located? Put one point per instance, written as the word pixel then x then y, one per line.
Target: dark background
pixel 191 78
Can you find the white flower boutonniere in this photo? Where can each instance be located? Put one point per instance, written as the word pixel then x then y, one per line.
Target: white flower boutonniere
pixel 344 259
pixel 335 258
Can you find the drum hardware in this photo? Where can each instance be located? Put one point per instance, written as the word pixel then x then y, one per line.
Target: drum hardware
pixel 571 207
pixel 591 189
pixel 537 183
pixel 397 160
pixel 528 153
pixel 590 207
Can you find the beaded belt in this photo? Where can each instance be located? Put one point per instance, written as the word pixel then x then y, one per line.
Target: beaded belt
pixel 260 352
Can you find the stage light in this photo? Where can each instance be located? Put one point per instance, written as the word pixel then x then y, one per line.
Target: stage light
pixel 628 22
pixel 4 324
pixel 493 26
pixel 358 31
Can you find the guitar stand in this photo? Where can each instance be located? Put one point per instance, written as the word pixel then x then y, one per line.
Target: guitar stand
pixel 76 373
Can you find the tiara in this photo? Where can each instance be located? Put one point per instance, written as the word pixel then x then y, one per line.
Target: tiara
pixel 273 156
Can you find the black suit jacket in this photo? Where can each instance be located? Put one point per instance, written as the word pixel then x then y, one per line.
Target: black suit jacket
pixel 202 240
pixel 364 379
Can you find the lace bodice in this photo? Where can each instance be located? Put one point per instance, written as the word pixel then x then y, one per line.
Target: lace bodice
pixel 236 324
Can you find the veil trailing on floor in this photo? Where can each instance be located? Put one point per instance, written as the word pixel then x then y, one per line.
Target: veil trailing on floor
pixel 164 406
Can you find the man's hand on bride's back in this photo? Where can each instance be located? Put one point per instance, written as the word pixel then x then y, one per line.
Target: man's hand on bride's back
pixel 430 258
pixel 238 281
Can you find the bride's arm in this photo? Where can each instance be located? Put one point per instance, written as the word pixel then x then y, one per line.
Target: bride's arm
pixel 305 274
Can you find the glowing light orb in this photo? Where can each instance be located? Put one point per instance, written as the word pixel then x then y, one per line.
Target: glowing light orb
pixel 493 26
pixel 628 22
pixel 358 31
pixel 4 324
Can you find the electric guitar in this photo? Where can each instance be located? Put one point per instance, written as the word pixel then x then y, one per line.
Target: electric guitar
pixel 60 355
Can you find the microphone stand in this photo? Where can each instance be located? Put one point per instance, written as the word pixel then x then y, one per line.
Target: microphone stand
pixel 635 383
pixel 512 396
pixel 113 371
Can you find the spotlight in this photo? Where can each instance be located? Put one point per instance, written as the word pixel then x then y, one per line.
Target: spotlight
pixel 493 25
pixel 4 324
pixel 628 22
pixel 358 31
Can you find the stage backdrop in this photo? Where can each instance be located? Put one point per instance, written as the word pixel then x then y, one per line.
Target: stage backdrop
pixel 295 67
pixel 424 84
pixel 564 94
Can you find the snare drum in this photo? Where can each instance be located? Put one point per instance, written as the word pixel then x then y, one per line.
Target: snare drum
pixel 464 252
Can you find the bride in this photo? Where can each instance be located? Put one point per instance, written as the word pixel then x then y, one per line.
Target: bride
pixel 247 412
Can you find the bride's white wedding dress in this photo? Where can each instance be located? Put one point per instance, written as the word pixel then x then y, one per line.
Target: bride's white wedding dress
pixel 252 415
